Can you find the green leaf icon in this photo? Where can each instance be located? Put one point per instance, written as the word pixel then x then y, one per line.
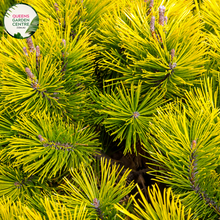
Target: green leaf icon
pixel 18 36
pixel 33 25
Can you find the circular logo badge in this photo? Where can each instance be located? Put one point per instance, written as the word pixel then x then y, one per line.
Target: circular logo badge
pixel 21 21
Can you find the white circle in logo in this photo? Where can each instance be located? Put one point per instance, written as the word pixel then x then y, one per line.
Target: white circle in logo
pixel 21 21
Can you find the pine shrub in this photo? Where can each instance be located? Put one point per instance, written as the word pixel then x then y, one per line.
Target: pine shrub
pixel 111 111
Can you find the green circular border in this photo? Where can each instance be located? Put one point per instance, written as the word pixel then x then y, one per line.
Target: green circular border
pixel 6 13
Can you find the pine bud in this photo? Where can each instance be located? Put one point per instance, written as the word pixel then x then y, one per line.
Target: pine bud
pixel 136 114
pixel 56 7
pixel 30 44
pixel 161 15
pixel 37 54
pixel 151 4
pixel 193 145
pixel 57 10
pixel 29 73
pixel 17 184
pixel 152 22
pixel 41 138
pixel 64 42
pixel 172 53
pixel 96 203
pixel 172 66
pixel 25 51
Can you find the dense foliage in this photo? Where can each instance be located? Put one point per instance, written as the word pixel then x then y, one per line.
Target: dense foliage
pixel 111 111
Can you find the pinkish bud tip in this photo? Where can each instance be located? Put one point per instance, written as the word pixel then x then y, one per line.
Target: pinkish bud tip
pixel 162 9
pixel 37 54
pixel 41 138
pixel 161 15
pixel 151 3
pixel 64 42
pixel 150 6
pixel 56 7
pixel 172 53
pixel 96 203
pixel 30 44
pixel 25 51
pixel 152 22
pixel 193 145
pixel 29 73
pixel 37 51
